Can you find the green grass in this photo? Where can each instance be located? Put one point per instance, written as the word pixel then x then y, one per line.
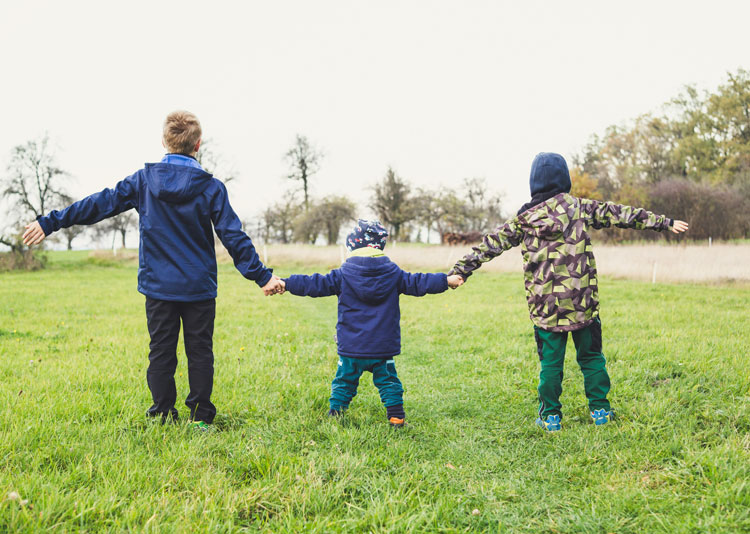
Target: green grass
pixel 74 440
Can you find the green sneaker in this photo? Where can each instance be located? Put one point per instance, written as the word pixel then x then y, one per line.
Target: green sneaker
pixel 200 426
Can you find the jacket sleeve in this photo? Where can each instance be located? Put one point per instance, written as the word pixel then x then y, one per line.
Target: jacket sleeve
pixel 504 238
pixel 229 229
pixel 316 285
pixel 420 284
pixel 605 214
pixel 94 208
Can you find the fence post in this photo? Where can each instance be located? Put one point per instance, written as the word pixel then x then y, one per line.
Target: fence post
pixel 653 274
pixel 709 242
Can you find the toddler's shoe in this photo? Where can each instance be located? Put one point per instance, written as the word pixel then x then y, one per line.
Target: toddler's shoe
pixel 336 412
pixel 550 424
pixel 395 422
pixel 200 426
pixel 601 417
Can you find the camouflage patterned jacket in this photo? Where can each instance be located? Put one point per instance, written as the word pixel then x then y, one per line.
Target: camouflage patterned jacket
pixel 558 261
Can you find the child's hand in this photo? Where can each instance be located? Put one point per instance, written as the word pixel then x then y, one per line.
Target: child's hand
pixel 33 234
pixel 275 285
pixel 455 280
pixel 678 227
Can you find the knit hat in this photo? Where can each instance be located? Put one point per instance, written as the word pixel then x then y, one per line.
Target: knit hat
pixel 367 234
pixel 549 174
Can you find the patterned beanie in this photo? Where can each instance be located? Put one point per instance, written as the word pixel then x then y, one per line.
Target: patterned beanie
pixel 366 234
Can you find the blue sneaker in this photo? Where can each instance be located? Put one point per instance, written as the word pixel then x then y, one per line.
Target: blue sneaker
pixel 601 417
pixel 551 424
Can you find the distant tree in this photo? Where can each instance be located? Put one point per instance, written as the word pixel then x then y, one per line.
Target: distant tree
pixel 214 162
pixel 278 219
pixel 117 226
pixel 308 226
pixel 392 203
pixel 452 214
pixel 426 210
pixel 583 185
pixel 31 187
pixel 304 162
pixel 332 212
pixel 482 209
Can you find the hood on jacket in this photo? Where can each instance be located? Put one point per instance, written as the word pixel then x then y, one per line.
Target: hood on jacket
pixel 371 279
pixel 549 174
pixel 549 177
pixel 176 184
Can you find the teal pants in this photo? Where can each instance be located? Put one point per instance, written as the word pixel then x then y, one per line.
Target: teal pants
pixel 551 349
pixel 384 376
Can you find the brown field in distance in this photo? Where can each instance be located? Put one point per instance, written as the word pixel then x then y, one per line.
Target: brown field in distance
pixel 668 263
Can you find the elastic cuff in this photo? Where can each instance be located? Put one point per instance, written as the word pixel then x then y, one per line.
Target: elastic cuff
pixel 397 410
pixel 43 222
pixel 264 279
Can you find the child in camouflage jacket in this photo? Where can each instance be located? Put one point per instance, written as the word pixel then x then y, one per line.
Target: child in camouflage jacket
pixel 560 278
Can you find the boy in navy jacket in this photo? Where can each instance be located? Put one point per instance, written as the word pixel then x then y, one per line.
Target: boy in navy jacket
pixel 368 332
pixel 178 203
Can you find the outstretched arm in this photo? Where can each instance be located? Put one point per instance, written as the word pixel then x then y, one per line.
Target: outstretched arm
pixel 316 285
pixel 504 238
pixel 229 229
pixel 605 214
pixel 420 284
pixel 90 210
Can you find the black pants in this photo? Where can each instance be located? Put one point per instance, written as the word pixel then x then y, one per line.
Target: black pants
pixel 198 331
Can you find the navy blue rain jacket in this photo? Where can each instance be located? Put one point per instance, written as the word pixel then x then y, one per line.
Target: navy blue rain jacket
pixel 178 205
pixel 368 290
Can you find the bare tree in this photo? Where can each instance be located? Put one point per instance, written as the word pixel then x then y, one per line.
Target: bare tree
pixel 32 186
pixel 392 203
pixel 214 162
pixel 333 211
pixel 304 162
pixel 119 225
pixel 482 206
pixel 278 220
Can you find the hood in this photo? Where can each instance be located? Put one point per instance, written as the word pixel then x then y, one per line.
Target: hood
pixel 372 279
pixel 549 174
pixel 549 177
pixel 176 184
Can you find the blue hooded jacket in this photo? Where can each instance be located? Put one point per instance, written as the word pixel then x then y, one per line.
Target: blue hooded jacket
pixel 368 289
pixel 178 202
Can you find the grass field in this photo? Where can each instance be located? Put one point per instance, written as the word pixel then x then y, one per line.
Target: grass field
pixel 75 444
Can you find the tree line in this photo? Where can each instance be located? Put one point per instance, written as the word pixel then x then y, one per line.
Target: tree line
pixel 690 160
pixel 408 212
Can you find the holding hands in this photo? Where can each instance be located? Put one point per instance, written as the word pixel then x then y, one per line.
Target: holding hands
pixel 455 280
pixel 274 286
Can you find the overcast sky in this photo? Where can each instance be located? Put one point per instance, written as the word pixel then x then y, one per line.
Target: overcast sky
pixel 439 90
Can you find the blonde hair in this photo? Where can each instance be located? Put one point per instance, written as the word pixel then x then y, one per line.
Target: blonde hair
pixel 182 131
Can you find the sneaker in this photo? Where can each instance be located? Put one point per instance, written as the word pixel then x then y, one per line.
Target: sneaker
pixel 601 417
pixel 551 424
pixel 395 422
pixel 200 426
pixel 336 412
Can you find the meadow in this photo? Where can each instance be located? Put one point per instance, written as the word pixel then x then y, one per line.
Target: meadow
pixel 78 455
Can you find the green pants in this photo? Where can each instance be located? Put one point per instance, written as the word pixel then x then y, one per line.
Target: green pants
pixel 384 376
pixel 551 349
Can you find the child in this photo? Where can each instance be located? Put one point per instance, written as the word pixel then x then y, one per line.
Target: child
pixel 560 278
pixel 368 332
pixel 178 202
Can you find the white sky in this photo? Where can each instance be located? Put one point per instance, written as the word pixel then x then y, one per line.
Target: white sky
pixel 440 90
